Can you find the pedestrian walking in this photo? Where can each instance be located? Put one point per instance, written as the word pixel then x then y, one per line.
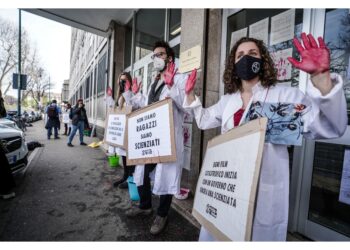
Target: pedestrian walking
pixel 79 122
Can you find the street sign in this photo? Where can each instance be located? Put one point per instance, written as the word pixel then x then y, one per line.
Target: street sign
pixel 23 81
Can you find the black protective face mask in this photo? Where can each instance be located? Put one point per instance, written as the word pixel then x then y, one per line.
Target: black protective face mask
pixel 122 85
pixel 248 67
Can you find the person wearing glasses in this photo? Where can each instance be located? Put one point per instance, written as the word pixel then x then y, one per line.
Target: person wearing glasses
pixel 167 84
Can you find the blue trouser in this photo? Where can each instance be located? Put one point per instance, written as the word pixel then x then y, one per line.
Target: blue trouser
pixel 49 132
pixel 79 126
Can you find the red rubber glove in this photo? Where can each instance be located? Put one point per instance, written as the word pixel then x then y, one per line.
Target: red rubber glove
pixel 315 58
pixel 191 81
pixel 127 85
pixel 169 74
pixel 136 87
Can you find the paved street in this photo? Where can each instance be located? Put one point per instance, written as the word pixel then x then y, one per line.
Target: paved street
pixel 66 194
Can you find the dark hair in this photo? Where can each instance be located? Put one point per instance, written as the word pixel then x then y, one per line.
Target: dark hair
pixel 267 75
pixel 53 101
pixel 127 75
pixel 68 105
pixel 79 100
pixel 165 45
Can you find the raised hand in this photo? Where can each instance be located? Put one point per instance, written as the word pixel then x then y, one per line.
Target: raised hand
pixel 127 85
pixel 169 74
pixel 136 87
pixel 191 81
pixel 315 58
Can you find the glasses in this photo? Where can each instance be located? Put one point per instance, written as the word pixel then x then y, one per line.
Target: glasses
pixel 159 54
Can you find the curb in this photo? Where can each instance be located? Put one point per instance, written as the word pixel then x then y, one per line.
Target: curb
pixel 187 214
pixel 33 156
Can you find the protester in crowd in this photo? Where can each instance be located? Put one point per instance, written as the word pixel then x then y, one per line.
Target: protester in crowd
pixel 124 84
pixel 7 183
pixel 168 84
pixel 67 125
pixel 53 112
pixel 79 121
pixel 250 84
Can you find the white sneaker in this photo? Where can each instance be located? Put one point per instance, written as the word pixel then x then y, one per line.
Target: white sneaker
pixel 8 196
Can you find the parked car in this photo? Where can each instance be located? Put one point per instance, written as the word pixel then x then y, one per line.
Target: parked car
pixel 9 123
pixel 17 148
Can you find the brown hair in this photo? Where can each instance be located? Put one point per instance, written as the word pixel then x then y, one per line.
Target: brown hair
pixel 267 75
pixel 127 75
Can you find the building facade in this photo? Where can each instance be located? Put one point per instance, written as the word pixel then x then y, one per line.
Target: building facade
pixel 65 91
pixel 319 205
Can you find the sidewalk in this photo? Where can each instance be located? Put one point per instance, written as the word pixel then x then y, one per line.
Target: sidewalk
pixel 67 194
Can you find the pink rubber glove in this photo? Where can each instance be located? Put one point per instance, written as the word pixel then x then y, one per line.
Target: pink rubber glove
pixel 169 74
pixel 315 58
pixel 191 81
pixel 127 85
pixel 136 87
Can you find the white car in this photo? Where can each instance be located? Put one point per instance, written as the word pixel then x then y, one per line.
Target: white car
pixel 9 123
pixel 15 143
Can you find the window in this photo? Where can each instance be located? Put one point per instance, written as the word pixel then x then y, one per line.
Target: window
pixel 95 81
pixel 81 91
pixel 87 87
pixel 101 74
pixel 128 44
pixel 174 23
pixel 238 25
pixel 337 38
pixel 150 27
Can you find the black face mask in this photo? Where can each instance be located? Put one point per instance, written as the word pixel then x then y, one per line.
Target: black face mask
pixel 248 67
pixel 122 85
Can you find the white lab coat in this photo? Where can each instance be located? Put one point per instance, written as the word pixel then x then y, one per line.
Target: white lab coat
pixel 167 176
pixel 326 118
pixel 119 150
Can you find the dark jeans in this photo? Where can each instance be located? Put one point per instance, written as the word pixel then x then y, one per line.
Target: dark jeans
pixel 128 170
pixel 49 132
pixel 145 193
pixel 67 128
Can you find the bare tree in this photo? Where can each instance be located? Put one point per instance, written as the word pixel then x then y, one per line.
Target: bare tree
pixel 9 51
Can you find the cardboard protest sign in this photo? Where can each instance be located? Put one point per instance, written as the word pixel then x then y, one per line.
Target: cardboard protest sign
pixel 226 189
pixel 151 134
pixel 115 128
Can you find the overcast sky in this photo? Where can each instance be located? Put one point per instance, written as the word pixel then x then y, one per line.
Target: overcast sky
pixel 52 40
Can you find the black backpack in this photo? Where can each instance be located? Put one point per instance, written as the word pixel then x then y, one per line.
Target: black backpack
pixel 52 112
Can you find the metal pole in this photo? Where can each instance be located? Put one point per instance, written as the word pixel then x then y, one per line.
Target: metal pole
pixel 19 65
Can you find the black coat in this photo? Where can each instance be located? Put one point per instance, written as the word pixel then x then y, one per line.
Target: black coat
pixel 79 114
pixel 7 183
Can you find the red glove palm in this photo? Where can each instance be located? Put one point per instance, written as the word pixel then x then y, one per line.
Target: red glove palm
pixel 136 87
pixel 169 74
pixel 127 85
pixel 314 59
pixel 191 81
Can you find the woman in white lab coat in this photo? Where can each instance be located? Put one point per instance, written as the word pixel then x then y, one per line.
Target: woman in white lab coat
pixel 250 82
pixel 124 82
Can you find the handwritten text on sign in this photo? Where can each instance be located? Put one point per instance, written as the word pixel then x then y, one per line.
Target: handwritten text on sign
pixel 149 134
pixel 116 129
